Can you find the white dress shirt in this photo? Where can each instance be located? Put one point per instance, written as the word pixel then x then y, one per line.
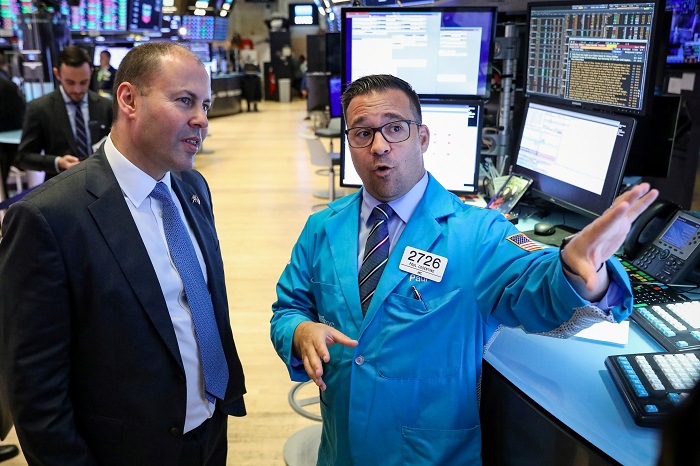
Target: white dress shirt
pixel 148 212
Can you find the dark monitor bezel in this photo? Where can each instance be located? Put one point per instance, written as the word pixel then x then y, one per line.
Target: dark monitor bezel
pixel 347 73
pixel 571 197
pixel 478 103
pixel 652 60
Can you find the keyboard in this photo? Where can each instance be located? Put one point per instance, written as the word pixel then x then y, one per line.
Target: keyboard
pixel 676 326
pixel 652 384
pixel 648 290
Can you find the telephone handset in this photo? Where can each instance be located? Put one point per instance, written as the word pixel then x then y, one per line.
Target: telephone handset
pixel 675 251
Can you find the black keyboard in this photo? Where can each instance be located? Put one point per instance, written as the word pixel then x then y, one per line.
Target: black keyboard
pixel 647 290
pixel 653 384
pixel 665 314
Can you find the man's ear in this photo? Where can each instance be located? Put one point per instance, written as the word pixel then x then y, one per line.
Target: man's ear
pixel 126 95
pixel 56 73
pixel 424 137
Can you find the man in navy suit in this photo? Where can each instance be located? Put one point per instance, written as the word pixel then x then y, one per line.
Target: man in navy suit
pixel 98 349
pixel 49 134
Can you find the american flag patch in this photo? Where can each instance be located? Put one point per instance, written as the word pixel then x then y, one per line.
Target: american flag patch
pixel 523 242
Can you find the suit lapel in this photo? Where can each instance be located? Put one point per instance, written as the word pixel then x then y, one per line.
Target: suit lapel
pixel 115 222
pixel 342 230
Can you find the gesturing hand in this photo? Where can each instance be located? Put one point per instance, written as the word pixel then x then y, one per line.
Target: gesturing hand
pixel 311 342
pixel 597 242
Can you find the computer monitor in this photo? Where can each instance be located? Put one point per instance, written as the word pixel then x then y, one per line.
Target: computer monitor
pixel 593 55
pixel 444 52
pixel 117 53
pixel 9 18
pixel 144 15
pixel 302 14
pixel 220 28
pixel 575 157
pixel 335 92
pixel 197 28
pixel 455 145
pixel 201 49
pixel 333 53
pixel 97 15
pixel 684 37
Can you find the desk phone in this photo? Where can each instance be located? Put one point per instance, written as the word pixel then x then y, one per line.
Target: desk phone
pixel 652 384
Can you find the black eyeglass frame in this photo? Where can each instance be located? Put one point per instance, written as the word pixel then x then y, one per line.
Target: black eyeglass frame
pixel 379 129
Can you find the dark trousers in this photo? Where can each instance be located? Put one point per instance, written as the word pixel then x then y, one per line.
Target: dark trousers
pixel 207 445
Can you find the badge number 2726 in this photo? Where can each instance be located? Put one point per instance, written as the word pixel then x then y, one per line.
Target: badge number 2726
pixel 423 263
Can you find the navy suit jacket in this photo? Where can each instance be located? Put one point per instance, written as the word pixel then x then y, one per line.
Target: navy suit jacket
pixel 88 352
pixel 47 128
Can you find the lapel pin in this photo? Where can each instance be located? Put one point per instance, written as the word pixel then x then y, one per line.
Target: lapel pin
pixel 195 199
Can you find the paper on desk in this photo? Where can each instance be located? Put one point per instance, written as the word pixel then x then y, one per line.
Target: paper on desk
pixel 608 332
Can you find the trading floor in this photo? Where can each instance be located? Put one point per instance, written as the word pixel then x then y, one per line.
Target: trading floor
pixel 262 185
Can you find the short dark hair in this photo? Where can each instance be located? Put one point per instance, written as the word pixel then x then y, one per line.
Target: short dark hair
pixel 73 56
pixel 381 82
pixel 142 62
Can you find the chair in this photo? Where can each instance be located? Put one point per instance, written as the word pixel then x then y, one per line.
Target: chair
pixel 322 158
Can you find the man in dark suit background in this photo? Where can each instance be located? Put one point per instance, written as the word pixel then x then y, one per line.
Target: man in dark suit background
pixel 99 342
pixel 49 124
pixel 103 76
pixel 12 110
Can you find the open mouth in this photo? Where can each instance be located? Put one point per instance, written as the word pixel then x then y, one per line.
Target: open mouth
pixel 193 143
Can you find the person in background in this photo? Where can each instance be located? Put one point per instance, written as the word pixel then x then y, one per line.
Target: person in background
pixel 115 338
pixel 103 75
pixel 12 108
pixel 393 294
pixel 54 137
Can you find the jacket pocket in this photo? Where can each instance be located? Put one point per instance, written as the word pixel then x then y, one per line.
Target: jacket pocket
pixel 420 343
pixel 427 447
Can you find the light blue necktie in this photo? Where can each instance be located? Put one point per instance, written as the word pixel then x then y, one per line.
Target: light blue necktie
pixel 376 254
pixel 182 253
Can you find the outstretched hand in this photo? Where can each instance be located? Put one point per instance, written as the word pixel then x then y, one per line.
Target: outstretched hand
pixel 596 243
pixel 310 344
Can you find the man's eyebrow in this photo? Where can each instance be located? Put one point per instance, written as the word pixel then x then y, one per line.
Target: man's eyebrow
pixel 361 121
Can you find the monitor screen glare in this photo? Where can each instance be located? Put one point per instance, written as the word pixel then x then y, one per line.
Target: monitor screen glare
pixel 455 144
pixel 440 51
pixel 592 55
pixel 575 157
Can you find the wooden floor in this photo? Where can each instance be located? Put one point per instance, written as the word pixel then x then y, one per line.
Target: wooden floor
pixel 262 186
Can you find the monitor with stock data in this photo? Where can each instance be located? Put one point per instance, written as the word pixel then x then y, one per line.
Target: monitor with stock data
pixel 575 157
pixel 593 55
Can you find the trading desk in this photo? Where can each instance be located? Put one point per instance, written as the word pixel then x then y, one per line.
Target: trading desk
pixel 549 401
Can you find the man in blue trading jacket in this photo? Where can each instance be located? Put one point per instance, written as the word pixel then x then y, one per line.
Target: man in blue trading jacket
pixel 398 363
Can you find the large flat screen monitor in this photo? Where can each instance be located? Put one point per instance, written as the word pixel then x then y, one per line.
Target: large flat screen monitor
pixel 455 145
pixel 593 55
pixel 444 52
pixel 9 17
pixel 197 28
pixel 684 38
pixel 145 15
pixel 106 17
pixel 575 157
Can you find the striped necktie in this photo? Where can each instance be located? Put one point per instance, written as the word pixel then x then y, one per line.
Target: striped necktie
pixel 376 254
pixel 206 330
pixel 81 136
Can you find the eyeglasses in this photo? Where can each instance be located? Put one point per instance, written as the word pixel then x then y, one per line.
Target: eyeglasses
pixel 394 131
